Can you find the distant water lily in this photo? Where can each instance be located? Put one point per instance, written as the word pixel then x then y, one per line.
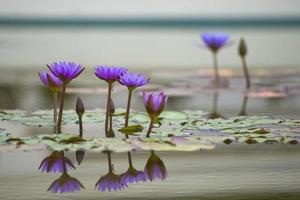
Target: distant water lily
pixel 155 168
pixel 154 103
pixel 65 71
pixel 55 85
pixel 215 41
pixel 132 81
pixel 132 175
pixel 110 74
pixel 65 184
pixel 110 181
pixel 56 163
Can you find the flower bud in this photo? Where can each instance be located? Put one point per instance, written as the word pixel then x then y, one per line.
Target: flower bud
pixel 79 107
pixel 242 48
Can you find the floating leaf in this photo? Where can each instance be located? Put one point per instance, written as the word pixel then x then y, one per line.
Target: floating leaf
pixel 131 130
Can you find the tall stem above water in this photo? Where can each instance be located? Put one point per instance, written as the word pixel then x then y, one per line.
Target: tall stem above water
pixel 107 110
pixel 128 108
pixel 216 70
pixel 150 128
pixel 54 106
pixel 61 108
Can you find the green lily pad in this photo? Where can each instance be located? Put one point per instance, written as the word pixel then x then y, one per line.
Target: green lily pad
pixel 131 130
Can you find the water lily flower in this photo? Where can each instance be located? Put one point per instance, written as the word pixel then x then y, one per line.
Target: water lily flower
pixel 132 81
pixel 51 81
pixel 132 175
pixel 55 163
pixel 55 85
pixel 110 181
pixel 110 74
pixel 215 41
pixel 64 184
pixel 65 71
pixel 155 168
pixel 154 104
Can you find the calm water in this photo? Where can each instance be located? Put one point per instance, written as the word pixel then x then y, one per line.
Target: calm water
pixel 227 172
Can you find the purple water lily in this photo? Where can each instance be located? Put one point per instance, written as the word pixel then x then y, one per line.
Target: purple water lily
pixel 154 104
pixel 110 182
pixel 55 85
pixel 110 74
pixel 132 81
pixel 155 168
pixel 215 41
pixel 56 163
pixel 51 81
pixel 65 184
pixel 65 71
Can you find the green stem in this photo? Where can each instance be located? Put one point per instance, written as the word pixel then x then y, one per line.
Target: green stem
pixel 128 108
pixel 54 111
pixel 111 131
pixel 107 109
pixel 216 70
pixel 150 128
pixel 80 126
pixel 61 108
pixel 248 82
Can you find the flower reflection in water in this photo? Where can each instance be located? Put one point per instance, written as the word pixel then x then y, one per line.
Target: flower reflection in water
pixel 65 183
pixel 58 163
pixel 55 163
pixel 110 181
pixel 132 175
pixel 155 168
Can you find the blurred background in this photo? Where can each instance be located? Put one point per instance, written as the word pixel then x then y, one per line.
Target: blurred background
pixel 159 38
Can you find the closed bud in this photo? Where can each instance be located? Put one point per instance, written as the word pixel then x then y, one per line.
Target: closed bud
pixel 242 48
pixel 79 107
